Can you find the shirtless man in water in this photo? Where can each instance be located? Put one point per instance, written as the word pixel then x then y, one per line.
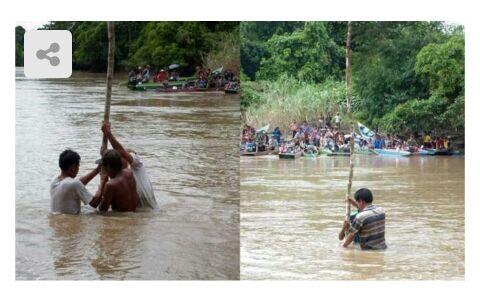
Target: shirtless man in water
pixel 120 190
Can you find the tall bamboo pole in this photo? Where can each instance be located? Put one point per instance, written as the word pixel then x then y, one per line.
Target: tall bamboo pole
pixel 108 96
pixel 351 121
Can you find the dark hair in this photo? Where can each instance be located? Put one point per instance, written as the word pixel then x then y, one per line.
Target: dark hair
pixel 364 194
pixel 67 159
pixel 112 160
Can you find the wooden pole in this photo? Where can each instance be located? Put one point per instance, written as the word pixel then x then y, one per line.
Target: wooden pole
pixel 351 121
pixel 108 96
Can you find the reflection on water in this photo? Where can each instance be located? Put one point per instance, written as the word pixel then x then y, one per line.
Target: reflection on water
pixel 188 144
pixel 292 212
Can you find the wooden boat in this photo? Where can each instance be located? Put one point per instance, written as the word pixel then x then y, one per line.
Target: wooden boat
pixel 259 153
pixel 365 151
pixel 181 82
pixel 155 86
pixel 423 152
pixel 328 152
pixel 290 155
pixel 179 89
pixel 445 151
pixel 231 91
pixel 392 152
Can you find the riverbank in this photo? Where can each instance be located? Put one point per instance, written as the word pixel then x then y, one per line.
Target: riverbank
pixel 279 102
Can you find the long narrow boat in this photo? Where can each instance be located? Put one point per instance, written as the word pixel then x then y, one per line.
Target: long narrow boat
pixel 155 85
pixel 424 152
pixel 290 155
pixel 232 88
pixel 392 152
pixel 365 151
pixel 328 152
pixel 179 89
pixel 231 91
pixel 182 81
pixel 259 153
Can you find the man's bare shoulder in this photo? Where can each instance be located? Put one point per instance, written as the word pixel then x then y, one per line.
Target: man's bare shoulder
pixel 127 173
pixel 123 175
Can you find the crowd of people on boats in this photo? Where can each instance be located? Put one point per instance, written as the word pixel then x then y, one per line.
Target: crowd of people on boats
pixel 304 136
pixel 204 77
pixel 329 136
pixel 412 143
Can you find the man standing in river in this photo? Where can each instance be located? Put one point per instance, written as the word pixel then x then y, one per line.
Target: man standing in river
pixel 120 191
pixel 143 183
pixel 66 192
pixel 369 223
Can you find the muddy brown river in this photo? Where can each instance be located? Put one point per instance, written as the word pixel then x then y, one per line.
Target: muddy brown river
pixel 292 211
pixel 188 143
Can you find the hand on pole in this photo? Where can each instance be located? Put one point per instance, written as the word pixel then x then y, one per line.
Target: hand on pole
pixel 106 128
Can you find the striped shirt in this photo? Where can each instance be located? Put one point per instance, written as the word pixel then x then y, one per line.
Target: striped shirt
pixel 370 226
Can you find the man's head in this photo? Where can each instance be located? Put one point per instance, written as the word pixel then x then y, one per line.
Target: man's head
pixel 363 197
pixel 112 162
pixel 69 162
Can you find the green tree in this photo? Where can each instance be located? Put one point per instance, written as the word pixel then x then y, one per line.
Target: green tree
pixel 383 64
pixel 308 53
pixel 253 36
pixel 443 66
pixel 141 43
pixel 19 33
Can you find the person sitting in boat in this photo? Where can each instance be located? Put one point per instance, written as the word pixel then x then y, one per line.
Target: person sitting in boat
pixel 439 144
pixel 262 142
pixel 175 76
pixel 377 144
pixel 250 146
pixel 146 74
pixel 283 148
pixel 139 75
pixel 272 144
pixel 130 158
pixel 368 223
pixel 412 144
pixel 202 83
pixel 132 77
pixel 427 141
pixel 303 126
pixel 277 135
pixel 161 76
pixel 446 142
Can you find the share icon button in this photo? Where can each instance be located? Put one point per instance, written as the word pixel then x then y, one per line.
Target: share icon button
pixel 48 54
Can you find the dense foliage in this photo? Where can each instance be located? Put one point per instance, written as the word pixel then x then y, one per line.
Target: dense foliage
pixel 19 32
pixel 407 77
pixel 158 44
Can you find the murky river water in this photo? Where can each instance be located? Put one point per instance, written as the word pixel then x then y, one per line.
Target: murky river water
pixel 291 213
pixel 188 143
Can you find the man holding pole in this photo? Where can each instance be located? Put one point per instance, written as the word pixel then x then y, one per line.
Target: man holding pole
pixel 369 223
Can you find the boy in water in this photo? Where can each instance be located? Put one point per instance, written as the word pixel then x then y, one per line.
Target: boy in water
pixel 66 192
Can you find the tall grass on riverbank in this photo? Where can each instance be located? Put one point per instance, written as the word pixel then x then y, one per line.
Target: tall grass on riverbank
pixel 226 54
pixel 278 102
